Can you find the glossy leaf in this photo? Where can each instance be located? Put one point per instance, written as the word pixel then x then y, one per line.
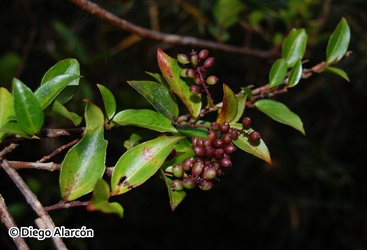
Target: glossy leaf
pixel 280 113
pixel 338 42
pixel 175 197
pixel 14 128
pixel 6 109
pixel 171 72
pixel 159 96
pixel 99 202
pixel 229 106
pixel 28 111
pixel 59 110
pixel 68 66
pixel 145 118
pixel 338 72
pixel 277 72
pixel 294 46
pixel 84 163
pixel 259 150
pixel 108 100
pixel 241 104
pixel 138 164
pixel 194 132
pixel 295 75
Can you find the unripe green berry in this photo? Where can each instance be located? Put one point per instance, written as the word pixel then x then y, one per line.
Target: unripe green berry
pixel 210 173
pixel 183 59
pixel 183 72
pixel 177 185
pixel 212 80
pixel 189 183
pixel 177 171
pixel 194 59
pixel 206 185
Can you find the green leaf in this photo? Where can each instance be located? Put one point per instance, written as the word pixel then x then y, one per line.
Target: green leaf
pixel 277 72
pixel 84 163
pixel 138 164
pixel 108 100
pixel 6 109
pixel 338 72
pixel 171 72
pixel 338 42
pixel 48 91
pixel 28 111
pixel 226 12
pixel 145 118
pixel 13 128
pixel 294 46
pixel 57 109
pixel 295 75
pixel 159 96
pixel 258 150
pixel 193 132
pixel 241 104
pixel 175 197
pixel 229 106
pixel 280 113
pixel 68 66
pixel 99 202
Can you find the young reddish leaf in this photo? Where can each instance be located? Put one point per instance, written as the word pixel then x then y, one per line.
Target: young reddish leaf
pixel 259 150
pixel 159 96
pixel 338 42
pixel 99 202
pixel 28 111
pixel 84 163
pixel 145 118
pixel 280 113
pixel 229 106
pixel 6 109
pixel 295 74
pixel 294 46
pixel 108 100
pixel 68 66
pixel 175 197
pixel 171 72
pixel 338 72
pixel 138 164
pixel 277 72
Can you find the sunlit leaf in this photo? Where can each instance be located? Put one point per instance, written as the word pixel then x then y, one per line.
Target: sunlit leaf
pixel 138 164
pixel 175 197
pixel 338 42
pixel 108 100
pixel 145 118
pixel 6 109
pixel 277 72
pixel 294 46
pixel 159 96
pixel 99 202
pixel 84 163
pixel 229 107
pixel 171 71
pixel 280 113
pixel 295 74
pixel 28 111
pixel 338 72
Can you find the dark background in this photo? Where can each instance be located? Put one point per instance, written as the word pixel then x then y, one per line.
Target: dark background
pixel 312 197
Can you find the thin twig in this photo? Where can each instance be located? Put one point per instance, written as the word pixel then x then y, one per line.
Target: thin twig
pixel 66 205
pixel 58 150
pixel 9 222
pixel 49 166
pixel 94 9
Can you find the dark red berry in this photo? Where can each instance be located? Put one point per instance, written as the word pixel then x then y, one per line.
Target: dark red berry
pixel 219 152
pixel 203 54
pixel 210 173
pixel 209 62
pixel 246 122
pixel 187 163
pixel 254 136
pixel 229 149
pixel 199 151
pixel 209 151
pixel 234 134
pixel 218 143
pixel 224 128
pixel 206 185
pixel 188 183
pixel 212 136
pixel 225 162
pixel 227 139
pixel 202 71
pixel 207 143
pixel 197 168
pixel 214 126
pixel 195 89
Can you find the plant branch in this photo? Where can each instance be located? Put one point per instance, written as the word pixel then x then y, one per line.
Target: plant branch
pixel 66 205
pixel 49 166
pixel 58 150
pixel 103 14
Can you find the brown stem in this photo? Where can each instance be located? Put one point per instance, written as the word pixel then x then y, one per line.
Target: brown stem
pixel 58 150
pixel 94 9
pixel 49 166
pixel 66 205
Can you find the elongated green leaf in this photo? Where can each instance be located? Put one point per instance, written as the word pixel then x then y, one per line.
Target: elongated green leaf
pixel 338 72
pixel 138 164
pixel 28 111
pixel 145 118
pixel 99 202
pixel 6 109
pixel 277 72
pixel 280 113
pixel 48 91
pixel 159 96
pixel 229 106
pixel 59 110
pixel 294 46
pixel 171 72
pixel 175 197
pixel 108 100
pixel 13 128
pixel 259 150
pixel 295 74
pixel 338 42
pixel 84 163
pixel 241 104
pixel 68 66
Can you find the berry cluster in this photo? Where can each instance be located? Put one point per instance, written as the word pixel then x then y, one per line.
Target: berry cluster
pixel 200 62
pixel 212 157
